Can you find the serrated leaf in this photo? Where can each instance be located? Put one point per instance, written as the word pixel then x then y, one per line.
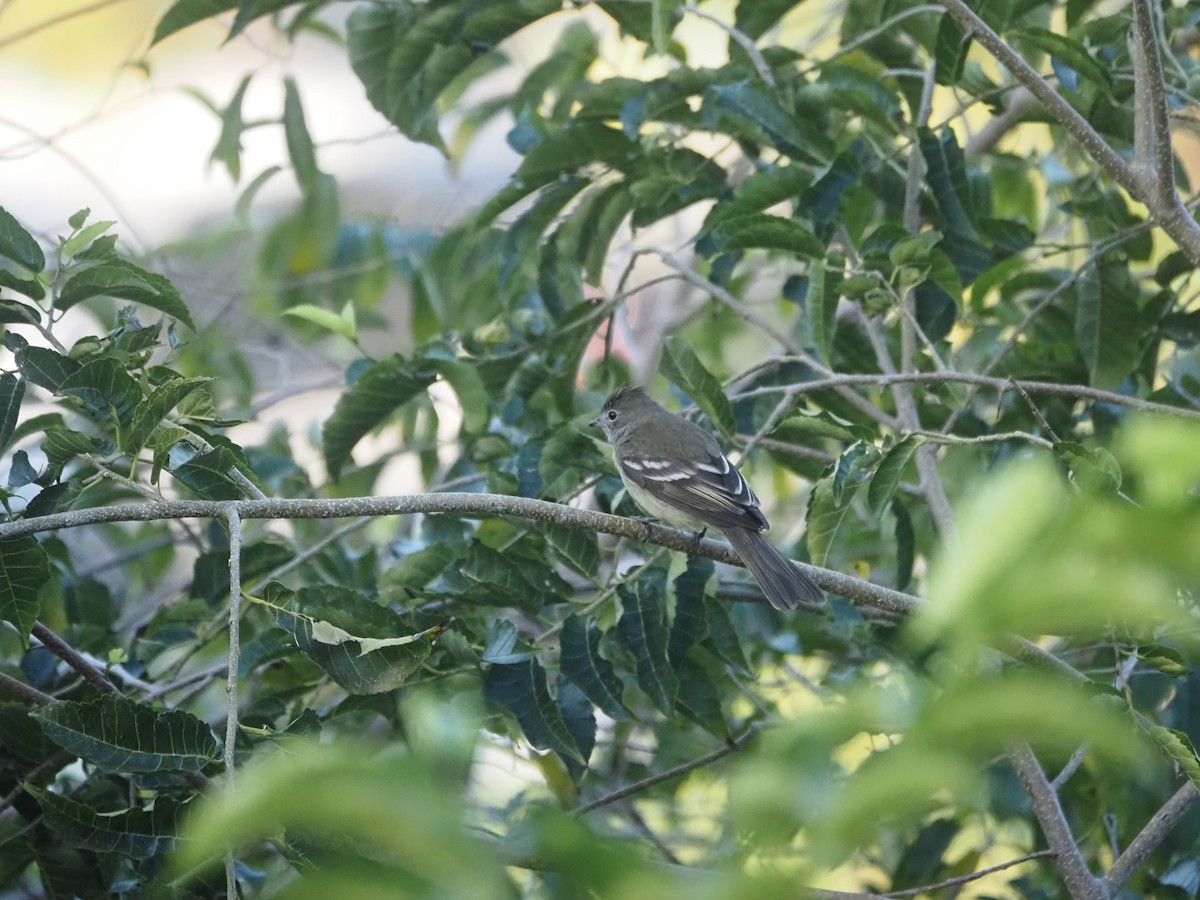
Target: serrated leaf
pixel 46 368
pixel 61 445
pixel 575 548
pixel 12 392
pixel 691 621
pixel 906 544
pixel 208 474
pixel 761 231
pixel 1106 322
pixel 503 645
pixel 887 476
pixel 384 387
pixel 699 700
pixel 140 833
pixel 722 638
pixel 124 280
pixel 119 735
pixel 642 628
pixel 24 568
pixel 22 737
pixel 946 174
pixel 500 579
pixel 103 387
pixel 1063 50
pixel 580 718
pixel 580 663
pixel 1177 746
pixel 521 688
pixel 821 302
pixel 950 53
pixel 751 101
pixel 360 665
pixel 681 365
pixel 18 245
pixel 831 496
pixel 75 244
pixel 153 409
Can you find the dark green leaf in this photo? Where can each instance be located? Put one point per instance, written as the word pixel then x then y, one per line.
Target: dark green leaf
pixel 1177 746
pixel 1068 52
pixel 946 173
pixel 153 409
pixel 140 833
pixel 887 476
pixel 18 245
pixel 378 392
pixel 299 144
pixel 755 18
pixel 12 392
pixel 521 689
pixel 642 628
pixel 46 368
pixel 753 102
pixel 61 445
pixel 1095 470
pixel 104 388
pixel 124 280
pixel 14 312
pixel 680 364
pixel 759 231
pixel 951 52
pixel 699 700
pixel 581 663
pixel 208 474
pixel 821 302
pixel 189 12
pixel 1106 331
pixel 831 496
pixel 575 548
pixel 24 568
pixel 119 735
pixel 360 665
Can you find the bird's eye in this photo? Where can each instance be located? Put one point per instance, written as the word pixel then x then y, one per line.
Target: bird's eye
pixel 612 415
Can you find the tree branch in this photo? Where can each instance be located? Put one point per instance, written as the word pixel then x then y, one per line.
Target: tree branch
pixel 1081 884
pixel 23 691
pixel 1160 825
pixel 1154 161
pixel 234 521
pixel 73 658
pixel 1001 384
pixel 1168 211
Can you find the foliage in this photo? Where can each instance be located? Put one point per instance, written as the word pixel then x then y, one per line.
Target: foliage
pixel 897 319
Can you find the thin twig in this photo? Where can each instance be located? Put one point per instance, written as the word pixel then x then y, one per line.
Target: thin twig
pixel 679 771
pixel 72 658
pixel 740 37
pixel 23 691
pixel 234 520
pixel 1148 839
pixel 974 876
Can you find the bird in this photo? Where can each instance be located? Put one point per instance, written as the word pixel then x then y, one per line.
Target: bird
pixel 676 472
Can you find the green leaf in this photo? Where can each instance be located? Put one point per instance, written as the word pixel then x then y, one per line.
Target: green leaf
pixel 721 638
pixel 77 243
pixel 464 378
pixel 14 312
pixel 581 663
pixel 339 323
pixel 124 280
pixel 61 445
pixel 153 409
pixel 380 391
pixel 642 629
pixel 681 365
pixel 831 496
pixel 569 149
pixel 821 302
pixel 104 388
pixel 887 476
pixel 521 689
pixel 577 549
pixel 119 735
pixel 691 622
pixel 361 665
pixel 504 579
pixel 946 174
pixel 228 149
pixel 755 18
pixel 762 232
pixel 12 392
pixel 189 12
pixel 208 474
pixel 1106 322
pixel 663 15
pixel 1095 470
pixel 24 568
pixel 751 101
pixel 699 700
pixel 299 143
pixel 46 368
pixel 1176 746
pixel 1068 52
pixel 140 833
pixel 950 53
pixel 18 245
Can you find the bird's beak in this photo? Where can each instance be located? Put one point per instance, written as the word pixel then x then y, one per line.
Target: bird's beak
pixel 595 423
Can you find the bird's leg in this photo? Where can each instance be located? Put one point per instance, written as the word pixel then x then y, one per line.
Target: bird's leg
pixel 697 537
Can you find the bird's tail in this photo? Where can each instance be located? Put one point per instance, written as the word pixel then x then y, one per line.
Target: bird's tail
pixel 785 585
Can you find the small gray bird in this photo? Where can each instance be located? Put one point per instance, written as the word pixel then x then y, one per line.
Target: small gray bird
pixel 676 472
